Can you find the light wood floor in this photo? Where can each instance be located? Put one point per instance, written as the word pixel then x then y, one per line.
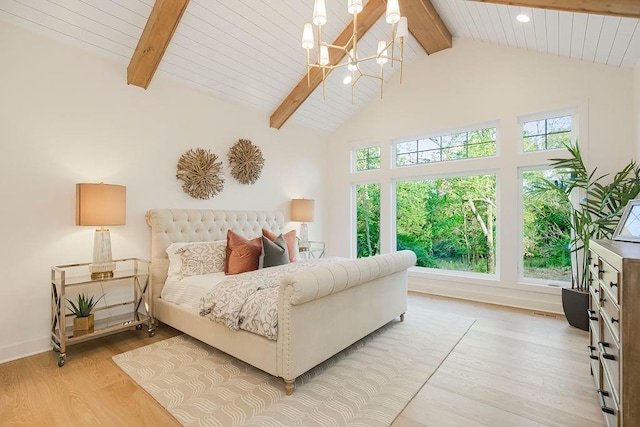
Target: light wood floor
pixel 512 368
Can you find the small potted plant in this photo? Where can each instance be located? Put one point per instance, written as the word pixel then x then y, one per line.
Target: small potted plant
pixel 83 321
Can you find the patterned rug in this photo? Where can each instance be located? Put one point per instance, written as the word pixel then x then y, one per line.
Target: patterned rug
pixel 367 384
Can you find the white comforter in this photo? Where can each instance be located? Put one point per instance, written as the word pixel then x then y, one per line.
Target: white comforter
pixel 248 301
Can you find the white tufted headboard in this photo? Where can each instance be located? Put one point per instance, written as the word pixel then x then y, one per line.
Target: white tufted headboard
pixel 200 225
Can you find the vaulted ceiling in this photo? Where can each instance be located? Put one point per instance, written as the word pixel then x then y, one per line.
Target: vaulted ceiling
pixel 249 50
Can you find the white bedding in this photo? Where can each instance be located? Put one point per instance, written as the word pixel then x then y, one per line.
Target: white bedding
pixel 248 301
pixel 190 290
pixel 243 301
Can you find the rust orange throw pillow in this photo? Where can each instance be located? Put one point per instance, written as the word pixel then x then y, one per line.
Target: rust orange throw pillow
pixel 242 254
pixel 289 237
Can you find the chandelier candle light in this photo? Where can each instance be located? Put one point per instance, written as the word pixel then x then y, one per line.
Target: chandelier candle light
pixel 399 31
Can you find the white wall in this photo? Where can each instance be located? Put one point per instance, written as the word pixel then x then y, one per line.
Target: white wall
pixel 67 116
pixel 475 83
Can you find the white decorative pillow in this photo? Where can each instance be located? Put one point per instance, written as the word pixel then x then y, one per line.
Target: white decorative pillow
pixel 191 259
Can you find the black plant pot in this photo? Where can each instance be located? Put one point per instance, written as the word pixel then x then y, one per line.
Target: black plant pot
pixel 575 305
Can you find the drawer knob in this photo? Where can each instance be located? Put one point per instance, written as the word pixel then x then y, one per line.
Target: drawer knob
pixel 613 285
pixel 591 349
pixel 614 320
pixel 603 404
pixel 592 315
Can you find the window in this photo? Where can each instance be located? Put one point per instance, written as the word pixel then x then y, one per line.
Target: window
pixel 546 253
pixel 448 222
pixel 462 145
pixel 546 134
pixel 368 219
pixel 368 158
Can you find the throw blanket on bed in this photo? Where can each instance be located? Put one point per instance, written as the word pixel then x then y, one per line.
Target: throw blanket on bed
pixel 248 301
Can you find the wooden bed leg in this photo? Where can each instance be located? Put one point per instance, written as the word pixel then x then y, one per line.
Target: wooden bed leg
pixel 289 385
pixel 402 317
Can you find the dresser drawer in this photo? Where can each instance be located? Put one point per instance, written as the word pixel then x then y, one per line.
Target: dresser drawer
pixel 610 280
pixel 608 404
pixel 594 358
pixel 609 313
pixel 609 350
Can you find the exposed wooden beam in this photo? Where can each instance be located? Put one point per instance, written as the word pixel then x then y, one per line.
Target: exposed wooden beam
pixel 370 14
pixel 628 8
pixel 425 25
pixel 162 23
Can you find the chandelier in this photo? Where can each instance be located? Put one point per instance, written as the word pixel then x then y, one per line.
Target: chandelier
pixel 354 63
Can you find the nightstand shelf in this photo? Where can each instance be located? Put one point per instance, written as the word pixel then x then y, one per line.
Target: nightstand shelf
pixel 133 308
pixel 314 250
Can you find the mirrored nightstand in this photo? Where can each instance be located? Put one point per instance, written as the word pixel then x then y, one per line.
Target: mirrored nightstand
pixel 314 250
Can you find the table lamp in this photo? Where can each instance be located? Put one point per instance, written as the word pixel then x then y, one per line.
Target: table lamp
pixel 302 211
pixel 101 205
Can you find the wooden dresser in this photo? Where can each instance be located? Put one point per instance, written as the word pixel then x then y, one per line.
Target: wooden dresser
pixel 614 329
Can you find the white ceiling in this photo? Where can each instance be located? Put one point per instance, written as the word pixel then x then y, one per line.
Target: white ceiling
pixel 249 50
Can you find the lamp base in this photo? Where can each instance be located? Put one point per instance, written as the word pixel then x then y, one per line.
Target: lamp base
pixel 102 266
pixel 304 236
pixel 102 275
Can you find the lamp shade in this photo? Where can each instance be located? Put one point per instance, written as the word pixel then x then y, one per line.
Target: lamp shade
pixel 101 204
pixel 302 210
pixel 403 28
pixel 393 11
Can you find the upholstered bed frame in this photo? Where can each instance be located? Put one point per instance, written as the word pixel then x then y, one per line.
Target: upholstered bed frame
pixel 321 311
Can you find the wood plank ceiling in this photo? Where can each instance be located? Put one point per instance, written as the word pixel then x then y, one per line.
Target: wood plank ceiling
pixel 248 51
pixel 628 8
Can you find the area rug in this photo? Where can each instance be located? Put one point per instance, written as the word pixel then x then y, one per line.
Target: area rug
pixel 367 384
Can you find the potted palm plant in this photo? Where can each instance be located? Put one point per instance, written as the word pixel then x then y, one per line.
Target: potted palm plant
pixel 595 210
pixel 84 321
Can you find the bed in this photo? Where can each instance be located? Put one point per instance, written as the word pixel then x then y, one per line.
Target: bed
pixel 320 311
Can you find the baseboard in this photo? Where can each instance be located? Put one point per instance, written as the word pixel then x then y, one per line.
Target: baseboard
pixel 24 349
pixel 542 302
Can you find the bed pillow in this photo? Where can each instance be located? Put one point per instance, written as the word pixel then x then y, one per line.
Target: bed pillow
pixel 289 237
pixel 274 253
pixel 216 257
pixel 242 255
pixel 202 258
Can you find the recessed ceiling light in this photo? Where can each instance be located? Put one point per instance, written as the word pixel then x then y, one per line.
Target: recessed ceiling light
pixel 523 18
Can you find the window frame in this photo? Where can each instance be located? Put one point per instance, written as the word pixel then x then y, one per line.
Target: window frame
pixel 547 115
pixel 354 157
pixel 493 277
pixel 441 134
pixel 533 281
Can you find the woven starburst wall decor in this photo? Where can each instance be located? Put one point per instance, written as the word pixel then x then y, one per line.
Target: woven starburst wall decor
pixel 246 161
pixel 201 175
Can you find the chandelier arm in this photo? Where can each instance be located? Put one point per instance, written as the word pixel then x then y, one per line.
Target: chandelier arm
pixel 328 68
pixel 393 42
pixel 331 55
pixel 401 57
pixel 373 76
pixel 381 80
pixel 308 70
pixel 319 44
